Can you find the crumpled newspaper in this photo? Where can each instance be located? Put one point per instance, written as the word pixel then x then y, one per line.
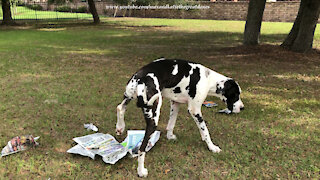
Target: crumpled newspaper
pixel 226 111
pixel 209 104
pixel 109 148
pixel 19 143
pixel 101 144
pixel 90 127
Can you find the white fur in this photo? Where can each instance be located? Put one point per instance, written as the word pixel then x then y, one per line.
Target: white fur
pixel 160 59
pixel 175 70
pixel 172 121
pixel 142 172
pixel 237 106
pixel 120 118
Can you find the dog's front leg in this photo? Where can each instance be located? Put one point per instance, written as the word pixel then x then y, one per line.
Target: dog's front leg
pixel 150 129
pixel 196 114
pixel 142 171
pixel 151 115
pixel 121 109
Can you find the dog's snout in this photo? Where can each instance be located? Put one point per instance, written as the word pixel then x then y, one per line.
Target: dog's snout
pixel 242 108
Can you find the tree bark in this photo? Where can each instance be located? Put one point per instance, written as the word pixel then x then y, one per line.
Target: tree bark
pixel 253 23
pixel 309 19
pixel 300 38
pixel 94 12
pixel 6 10
pixel 288 42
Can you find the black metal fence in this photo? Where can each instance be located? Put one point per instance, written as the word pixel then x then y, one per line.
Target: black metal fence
pixel 38 11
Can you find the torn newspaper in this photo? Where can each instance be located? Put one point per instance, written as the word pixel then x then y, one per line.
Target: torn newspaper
pixel 104 145
pixel 135 138
pixel 19 143
pixel 109 148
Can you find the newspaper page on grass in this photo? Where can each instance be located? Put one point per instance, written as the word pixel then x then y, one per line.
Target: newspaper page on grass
pixel 101 144
pixel 135 138
pixel 109 148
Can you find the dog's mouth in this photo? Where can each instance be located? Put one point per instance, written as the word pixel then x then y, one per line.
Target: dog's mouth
pixel 237 110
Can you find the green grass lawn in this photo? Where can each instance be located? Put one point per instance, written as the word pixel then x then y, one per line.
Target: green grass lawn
pixel 21 12
pixel 85 68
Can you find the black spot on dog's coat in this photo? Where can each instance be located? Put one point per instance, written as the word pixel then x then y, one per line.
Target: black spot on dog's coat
pixel 151 127
pixel 140 102
pixel 127 100
pixel 219 90
pixel 199 118
pixel 207 72
pixel 194 79
pixel 177 90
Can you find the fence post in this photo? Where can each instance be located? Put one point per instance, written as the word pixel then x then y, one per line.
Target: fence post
pixel 77 10
pixel 35 11
pixel 55 7
pixel 12 11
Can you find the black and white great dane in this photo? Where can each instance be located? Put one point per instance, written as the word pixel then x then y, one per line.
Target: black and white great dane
pixel 182 82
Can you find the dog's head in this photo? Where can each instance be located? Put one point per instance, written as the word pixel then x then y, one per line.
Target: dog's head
pixel 229 92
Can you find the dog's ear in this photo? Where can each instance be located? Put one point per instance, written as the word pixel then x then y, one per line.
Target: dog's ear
pixel 226 87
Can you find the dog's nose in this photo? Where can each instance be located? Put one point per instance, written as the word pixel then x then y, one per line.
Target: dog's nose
pixel 242 108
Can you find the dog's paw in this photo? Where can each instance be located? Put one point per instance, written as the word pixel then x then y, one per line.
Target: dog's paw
pixel 119 131
pixel 143 172
pixel 214 149
pixel 171 136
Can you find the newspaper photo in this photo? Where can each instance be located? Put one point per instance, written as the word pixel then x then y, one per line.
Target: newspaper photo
pixel 19 143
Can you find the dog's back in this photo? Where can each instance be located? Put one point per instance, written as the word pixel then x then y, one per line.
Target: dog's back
pixel 169 73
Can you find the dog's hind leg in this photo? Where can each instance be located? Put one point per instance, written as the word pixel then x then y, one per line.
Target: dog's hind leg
pixel 172 120
pixel 121 109
pixel 196 114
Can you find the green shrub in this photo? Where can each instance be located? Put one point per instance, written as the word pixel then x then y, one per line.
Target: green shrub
pixel 57 2
pixel 82 9
pixel 63 8
pixel 20 3
pixel 36 7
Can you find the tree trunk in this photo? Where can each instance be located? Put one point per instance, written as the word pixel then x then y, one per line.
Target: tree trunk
pixel 6 10
pixel 288 42
pixel 94 12
pixel 253 23
pixel 300 38
pixel 309 19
